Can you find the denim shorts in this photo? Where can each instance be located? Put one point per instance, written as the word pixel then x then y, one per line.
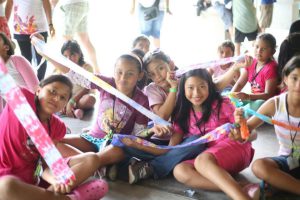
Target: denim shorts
pixel 281 161
pixel 151 27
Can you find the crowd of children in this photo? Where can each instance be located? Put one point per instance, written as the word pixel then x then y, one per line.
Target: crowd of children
pixel 194 103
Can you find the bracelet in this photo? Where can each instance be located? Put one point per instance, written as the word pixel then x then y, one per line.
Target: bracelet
pixel 173 90
pixel 50 24
pixel 72 101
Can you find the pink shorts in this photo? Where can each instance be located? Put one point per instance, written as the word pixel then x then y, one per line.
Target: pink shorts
pixel 230 155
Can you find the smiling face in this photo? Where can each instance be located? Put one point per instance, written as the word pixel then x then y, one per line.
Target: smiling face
pixel 53 97
pixel 262 50
pixel 126 76
pixel 196 91
pixel 157 71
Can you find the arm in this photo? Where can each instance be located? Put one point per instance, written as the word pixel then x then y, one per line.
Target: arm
pixel 241 82
pixel 165 109
pixel 26 71
pixel 268 109
pixel 270 90
pixel 8 9
pixel 168 7
pixel 48 12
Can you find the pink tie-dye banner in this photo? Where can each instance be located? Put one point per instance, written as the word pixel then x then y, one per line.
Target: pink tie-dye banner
pixel 27 117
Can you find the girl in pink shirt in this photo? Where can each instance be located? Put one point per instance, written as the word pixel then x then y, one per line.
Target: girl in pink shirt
pixel 261 74
pixel 200 109
pixel 19 158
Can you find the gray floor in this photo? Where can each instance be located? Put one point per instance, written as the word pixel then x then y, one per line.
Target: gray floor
pixel 169 188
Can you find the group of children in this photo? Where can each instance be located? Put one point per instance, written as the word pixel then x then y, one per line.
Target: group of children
pixel 192 103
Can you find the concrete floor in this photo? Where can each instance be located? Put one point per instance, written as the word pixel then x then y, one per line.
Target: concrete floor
pixel 169 188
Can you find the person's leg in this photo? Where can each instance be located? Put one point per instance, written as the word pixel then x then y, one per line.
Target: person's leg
pixel 156 29
pixel 25 48
pixel 186 173
pixel 43 68
pixel 207 166
pixel 80 143
pixel 269 171
pixel 14 189
pixel 165 163
pixel 238 39
pixel 110 155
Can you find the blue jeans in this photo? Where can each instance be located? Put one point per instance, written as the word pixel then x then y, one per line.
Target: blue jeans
pixel 165 163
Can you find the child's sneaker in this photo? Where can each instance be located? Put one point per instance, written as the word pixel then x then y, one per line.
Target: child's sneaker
pixel 139 170
pixel 91 190
pixel 78 113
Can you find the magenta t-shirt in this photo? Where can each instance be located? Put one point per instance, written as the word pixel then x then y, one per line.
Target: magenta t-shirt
pixel 225 116
pixel 258 80
pixel 18 155
pixel 112 110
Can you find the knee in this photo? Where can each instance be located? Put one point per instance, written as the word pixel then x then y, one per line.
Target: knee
pixel 180 174
pixel 8 185
pixel 202 161
pixel 260 168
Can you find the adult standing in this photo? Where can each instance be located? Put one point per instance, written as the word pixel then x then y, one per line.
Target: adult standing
pixel 30 16
pixel 151 27
pixel 244 22
pixel 266 14
pixel 74 15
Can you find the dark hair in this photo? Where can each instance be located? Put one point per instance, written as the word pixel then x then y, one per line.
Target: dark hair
pixel 9 43
pixel 138 39
pixel 295 27
pixel 153 55
pixel 57 78
pixel 227 43
pixel 141 83
pixel 291 65
pixel 269 39
pixel 73 47
pixel 181 113
pixel 133 58
pixel 288 48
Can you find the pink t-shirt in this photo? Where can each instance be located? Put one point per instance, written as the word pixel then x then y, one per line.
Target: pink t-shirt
pixel 225 116
pixel 156 95
pixel 258 80
pixel 18 155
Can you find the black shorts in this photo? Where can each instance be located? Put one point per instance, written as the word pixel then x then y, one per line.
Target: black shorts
pixel 240 36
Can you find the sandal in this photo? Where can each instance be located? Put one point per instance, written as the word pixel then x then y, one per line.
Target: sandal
pixel 91 190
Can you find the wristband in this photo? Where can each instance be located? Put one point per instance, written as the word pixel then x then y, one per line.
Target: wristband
pixel 173 90
pixel 50 24
pixel 72 101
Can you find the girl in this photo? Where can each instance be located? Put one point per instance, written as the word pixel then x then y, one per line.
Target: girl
pixel 261 74
pixel 162 91
pixel 282 172
pixel 19 158
pixel 114 115
pixel 225 50
pixel 201 109
pixel 82 99
pixel 18 67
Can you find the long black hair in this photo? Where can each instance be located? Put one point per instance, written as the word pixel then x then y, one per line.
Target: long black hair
pixel 181 113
